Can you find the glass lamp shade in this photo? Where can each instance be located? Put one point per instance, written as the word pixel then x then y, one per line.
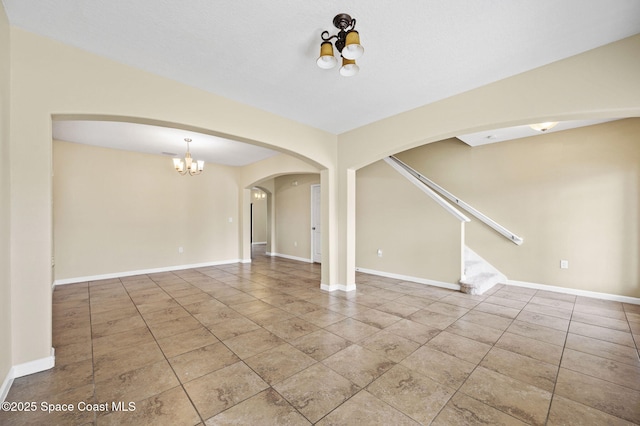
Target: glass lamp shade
pixel 349 67
pixel 200 165
pixel 543 127
pixel 352 48
pixel 326 60
pixel 178 164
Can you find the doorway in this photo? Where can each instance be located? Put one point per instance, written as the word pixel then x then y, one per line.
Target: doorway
pixel 316 229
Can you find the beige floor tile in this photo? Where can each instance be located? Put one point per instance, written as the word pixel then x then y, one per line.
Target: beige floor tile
pixel 567 412
pixel 154 318
pixel 474 331
pixel 398 309
pixel 252 307
pixel 201 361
pixel 320 344
pixel 520 400
pixel 368 368
pixel 291 329
pixel 114 363
pixel 616 324
pixel 552 301
pixel 43 416
pixel 278 363
pixel 175 326
pixel 270 316
pixel 461 347
pixel 538 332
pixel 523 368
pixel 444 369
pixel 510 303
pixel 462 410
pixel 316 391
pixel 602 368
pixel 267 404
pixel 418 302
pixel 412 393
pixel 412 330
pixel 613 399
pixel 547 310
pixel 495 309
pixel 352 329
pixel 433 319
pixel 601 348
pixel 128 310
pixel 366 409
pixel 376 318
pixel 74 352
pixel 171 407
pixel 488 320
pixel 222 389
pixel 532 348
pixel 448 309
pixel 602 333
pixel 114 342
pixel 323 317
pixel 228 329
pixel 252 343
pixel 186 342
pixel 389 345
pixel 554 322
pixel 136 385
pixel 603 312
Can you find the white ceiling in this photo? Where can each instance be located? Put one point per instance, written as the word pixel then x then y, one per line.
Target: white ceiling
pixel 159 140
pixel 263 53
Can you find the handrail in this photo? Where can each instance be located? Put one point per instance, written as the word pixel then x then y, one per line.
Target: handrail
pixel 430 192
pixel 434 186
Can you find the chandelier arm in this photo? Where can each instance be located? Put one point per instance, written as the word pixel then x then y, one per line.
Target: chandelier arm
pixel 353 24
pixel 325 36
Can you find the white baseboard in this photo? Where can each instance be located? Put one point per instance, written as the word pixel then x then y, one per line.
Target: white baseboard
pixel 25 369
pixel 257 243
pixel 434 283
pixel 286 256
pixel 146 271
pixel 336 287
pixel 576 292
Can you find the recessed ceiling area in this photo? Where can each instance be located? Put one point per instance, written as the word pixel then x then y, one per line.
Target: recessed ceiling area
pixel 517 132
pixel 159 140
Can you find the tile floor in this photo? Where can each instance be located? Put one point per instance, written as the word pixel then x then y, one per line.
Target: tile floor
pixel 261 344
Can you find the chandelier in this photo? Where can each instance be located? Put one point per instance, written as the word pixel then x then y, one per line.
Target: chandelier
pixel 188 165
pixel 348 44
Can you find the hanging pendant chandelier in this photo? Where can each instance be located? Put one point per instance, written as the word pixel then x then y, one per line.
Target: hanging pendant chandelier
pixel 348 44
pixel 188 165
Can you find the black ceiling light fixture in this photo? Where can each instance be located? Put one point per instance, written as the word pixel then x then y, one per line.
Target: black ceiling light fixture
pixel 348 44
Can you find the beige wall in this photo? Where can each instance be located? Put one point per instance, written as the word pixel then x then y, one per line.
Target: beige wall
pixel 417 237
pixel 293 214
pixel 5 223
pixel 119 211
pixel 572 195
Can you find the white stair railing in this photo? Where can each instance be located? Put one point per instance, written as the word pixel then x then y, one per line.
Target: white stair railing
pixel 399 165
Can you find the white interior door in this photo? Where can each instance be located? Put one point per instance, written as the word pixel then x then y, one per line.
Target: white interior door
pixel 316 231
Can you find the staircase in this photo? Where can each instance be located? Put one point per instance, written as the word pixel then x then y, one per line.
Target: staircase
pixel 479 275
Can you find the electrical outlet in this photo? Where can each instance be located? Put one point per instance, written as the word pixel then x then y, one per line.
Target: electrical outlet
pixel 379 252
pixel 180 250
pixel 564 264
pixel 295 244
